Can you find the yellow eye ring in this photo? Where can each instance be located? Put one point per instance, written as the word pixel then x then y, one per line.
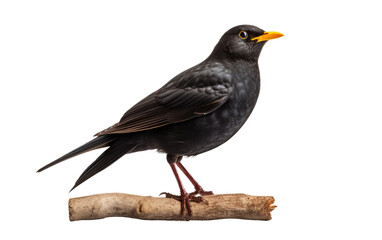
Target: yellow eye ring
pixel 243 35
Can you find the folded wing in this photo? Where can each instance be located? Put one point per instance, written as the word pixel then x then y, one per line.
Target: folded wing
pixel 173 103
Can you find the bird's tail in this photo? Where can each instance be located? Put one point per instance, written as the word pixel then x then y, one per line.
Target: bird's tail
pixel 99 142
pixel 108 157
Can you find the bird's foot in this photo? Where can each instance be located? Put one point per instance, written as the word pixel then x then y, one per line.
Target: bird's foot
pixel 201 192
pixel 184 200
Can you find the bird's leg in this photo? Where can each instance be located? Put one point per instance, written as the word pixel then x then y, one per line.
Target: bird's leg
pixel 198 189
pixel 184 197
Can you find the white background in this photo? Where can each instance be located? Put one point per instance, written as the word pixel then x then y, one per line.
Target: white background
pixel 71 68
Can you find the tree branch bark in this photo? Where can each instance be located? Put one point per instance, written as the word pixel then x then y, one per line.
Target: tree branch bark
pixel 239 206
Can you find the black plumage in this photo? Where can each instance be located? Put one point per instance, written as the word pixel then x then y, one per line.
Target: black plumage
pixel 196 111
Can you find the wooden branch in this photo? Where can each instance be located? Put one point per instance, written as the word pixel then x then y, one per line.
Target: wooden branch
pixel 239 206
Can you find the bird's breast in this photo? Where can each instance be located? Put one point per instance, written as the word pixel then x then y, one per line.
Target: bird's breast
pixel 241 103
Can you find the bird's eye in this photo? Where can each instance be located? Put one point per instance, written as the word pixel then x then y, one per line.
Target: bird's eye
pixel 243 34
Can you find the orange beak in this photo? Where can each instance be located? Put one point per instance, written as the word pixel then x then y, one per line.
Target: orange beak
pixel 267 36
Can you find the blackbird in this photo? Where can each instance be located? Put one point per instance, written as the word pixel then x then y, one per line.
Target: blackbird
pixel 196 111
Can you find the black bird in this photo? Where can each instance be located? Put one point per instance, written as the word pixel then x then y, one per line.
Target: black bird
pixel 196 111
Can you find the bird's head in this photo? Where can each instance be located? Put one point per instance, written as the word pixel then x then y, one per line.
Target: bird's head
pixel 243 42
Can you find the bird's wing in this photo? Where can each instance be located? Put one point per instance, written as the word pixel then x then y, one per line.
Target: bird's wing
pixel 180 100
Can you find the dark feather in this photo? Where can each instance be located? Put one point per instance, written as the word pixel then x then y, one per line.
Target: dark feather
pixel 107 158
pixel 99 142
pixel 173 104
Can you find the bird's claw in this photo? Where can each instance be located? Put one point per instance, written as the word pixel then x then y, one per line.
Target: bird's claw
pixel 191 196
pixel 201 193
pixel 169 195
pixel 184 200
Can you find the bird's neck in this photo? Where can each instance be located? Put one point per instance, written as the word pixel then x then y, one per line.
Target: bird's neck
pixel 225 56
pixel 223 52
pixel 238 65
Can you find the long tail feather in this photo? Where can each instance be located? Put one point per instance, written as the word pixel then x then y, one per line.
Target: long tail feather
pixel 99 142
pixel 107 158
